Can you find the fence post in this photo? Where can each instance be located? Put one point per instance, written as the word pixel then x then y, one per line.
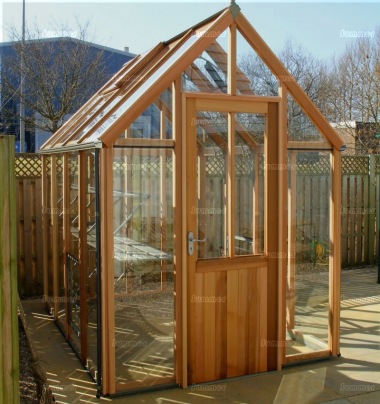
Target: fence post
pixel 371 209
pixel 9 356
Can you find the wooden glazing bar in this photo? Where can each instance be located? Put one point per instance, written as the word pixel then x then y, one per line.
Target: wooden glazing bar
pixel 292 234
pixel 66 230
pixel 282 223
pixel 180 330
pixel 231 73
pixel 190 223
pixel 230 98
pixel 271 236
pixel 55 230
pixel 135 142
pixel 45 225
pixel 107 271
pixel 307 356
pixel 82 221
pixel 334 260
pixel 229 264
pixel 231 186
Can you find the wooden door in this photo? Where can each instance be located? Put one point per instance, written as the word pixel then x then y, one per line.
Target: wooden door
pixel 231 312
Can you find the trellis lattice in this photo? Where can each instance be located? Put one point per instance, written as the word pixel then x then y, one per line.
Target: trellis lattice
pixel 73 166
pixel 215 165
pixel 244 164
pixel 355 165
pixel 313 164
pixel 147 165
pixel 377 164
pixel 28 166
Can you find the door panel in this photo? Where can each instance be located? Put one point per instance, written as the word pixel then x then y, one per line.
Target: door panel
pixel 227 303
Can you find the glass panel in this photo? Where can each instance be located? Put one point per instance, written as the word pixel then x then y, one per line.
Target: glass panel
pixel 145 87
pixel 155 122
pixel 73 287
pixel 208 72
pixel 143 264
pixel 49 213
pixel 249 183
pixel 212 142
pixel 309 183
pixel 61 263
pixel 252 74
pixel 92 274
pixel 300 128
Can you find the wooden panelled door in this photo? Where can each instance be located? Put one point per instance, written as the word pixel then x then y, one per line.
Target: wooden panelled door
pixel 231 312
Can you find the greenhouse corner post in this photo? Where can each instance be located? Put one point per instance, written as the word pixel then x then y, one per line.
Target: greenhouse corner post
pixel 9 355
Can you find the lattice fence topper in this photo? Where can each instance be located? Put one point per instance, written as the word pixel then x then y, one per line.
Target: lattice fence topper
pixel 147 164
pixel 73 166
pixel 355 165
pixel 377 164
pixel 28 165
pixel 313 164
pixel 58 165
pixel 244 164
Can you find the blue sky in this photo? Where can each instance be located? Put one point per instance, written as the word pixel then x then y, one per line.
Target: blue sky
pixel 317 26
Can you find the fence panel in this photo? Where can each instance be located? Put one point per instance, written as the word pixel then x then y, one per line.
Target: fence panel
pixel 358 210
pixel 29 224
pixel 9 356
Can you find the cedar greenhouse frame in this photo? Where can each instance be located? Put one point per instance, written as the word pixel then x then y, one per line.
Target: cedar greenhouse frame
pixel 171 223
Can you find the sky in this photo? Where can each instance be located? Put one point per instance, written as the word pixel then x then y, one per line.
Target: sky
pixel 322 28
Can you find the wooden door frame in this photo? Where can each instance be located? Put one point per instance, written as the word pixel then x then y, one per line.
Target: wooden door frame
pixel 236 104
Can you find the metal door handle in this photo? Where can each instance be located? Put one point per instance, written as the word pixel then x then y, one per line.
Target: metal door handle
pixel 190 242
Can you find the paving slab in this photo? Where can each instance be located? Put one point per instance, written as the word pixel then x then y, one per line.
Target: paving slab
pixel 352 378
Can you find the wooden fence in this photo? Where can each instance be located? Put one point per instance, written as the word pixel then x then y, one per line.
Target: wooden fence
pixel 360 200
pixel 360 181
pixel 9 356
pixel 28 169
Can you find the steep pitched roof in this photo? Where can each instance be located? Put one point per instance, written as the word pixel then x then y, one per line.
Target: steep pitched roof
pixel 120 101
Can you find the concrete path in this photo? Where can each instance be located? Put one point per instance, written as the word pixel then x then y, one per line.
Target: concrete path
pixel 352 378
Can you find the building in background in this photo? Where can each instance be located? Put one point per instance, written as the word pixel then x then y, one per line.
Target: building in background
pixel 109 60
pixel 361 138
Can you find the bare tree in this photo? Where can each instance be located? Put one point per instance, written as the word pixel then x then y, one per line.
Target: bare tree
pixel 356 92
pixel 59 74
pixel 311 73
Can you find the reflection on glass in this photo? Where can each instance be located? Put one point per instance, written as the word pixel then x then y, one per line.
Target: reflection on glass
pixel 253 77
pixel 72 258
pixel 61 274
pixel 300 127
pixel 309 184
pixel 48 212
pixel 155 122
pixel 92 273
pixel 212 147
pixel 208 73
pixel 249 183
pixel 143 263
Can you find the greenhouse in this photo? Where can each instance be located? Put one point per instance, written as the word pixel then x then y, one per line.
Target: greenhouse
pixel 181 213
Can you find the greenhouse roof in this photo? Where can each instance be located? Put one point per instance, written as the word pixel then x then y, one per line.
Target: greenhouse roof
pixel 129 92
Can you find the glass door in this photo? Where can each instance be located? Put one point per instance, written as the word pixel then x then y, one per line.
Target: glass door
pixel 226 213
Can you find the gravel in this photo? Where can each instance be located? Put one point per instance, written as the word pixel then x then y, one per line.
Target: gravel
pixel 28 383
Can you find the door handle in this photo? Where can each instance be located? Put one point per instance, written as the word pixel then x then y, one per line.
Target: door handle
pixel 190 242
